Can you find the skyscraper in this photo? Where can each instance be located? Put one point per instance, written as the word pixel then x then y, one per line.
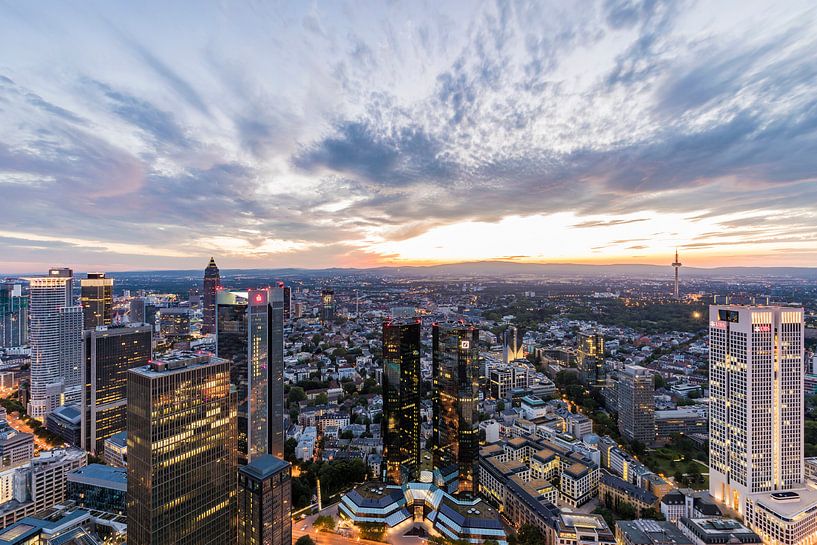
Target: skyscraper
pixel 108 354
pixel 455 358
pixel 13 315
pixel 56 343
pixel 590 358
pixel 249 333
pixel 287 301
pixel 264 497
pixel 212 281
pixel 181 452
pixel 327 305
pixel 636 404
pixel 136 313
pixel 401 400
pixel 96 298
pixel 756 401
pixel 512 346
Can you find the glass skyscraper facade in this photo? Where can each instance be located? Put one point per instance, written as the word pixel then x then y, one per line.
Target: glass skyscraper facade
pixel 249 333
pixel 96 297
pixel 56 343
pixel 327 305
pixel 13 315
pixel 212 282
pixel 108 354
pixel 401 401
pixel 181 452
pixel 264 497
pixel 455 359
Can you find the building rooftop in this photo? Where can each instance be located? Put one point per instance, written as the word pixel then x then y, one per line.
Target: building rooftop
pixel 788 504
pixel 118 439
pixel 264 466
pixel 101 475
pixel 652 532
pixel 177 362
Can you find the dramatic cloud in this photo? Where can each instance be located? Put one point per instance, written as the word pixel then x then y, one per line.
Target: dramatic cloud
pixel 139 136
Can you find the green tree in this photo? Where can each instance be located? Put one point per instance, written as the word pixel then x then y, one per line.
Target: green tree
pixel 296 394
pixel 305 540
pixel 527 535
pixel 289 450
pixel 324 523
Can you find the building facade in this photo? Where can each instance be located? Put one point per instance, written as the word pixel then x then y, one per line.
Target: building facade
pixel 14 303
pixel 590 358
pixel 250 334
pixel 96 298
pixel 636 404
pixel 56 343
pixel 108 354
pixel 212 281
pixel 264 501
pixel 455 362
pixel 756 401
pixel 401 401
pixel 181 452
pixel 327 305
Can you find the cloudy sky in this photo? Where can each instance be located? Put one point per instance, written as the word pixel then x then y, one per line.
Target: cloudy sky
pixel 154 135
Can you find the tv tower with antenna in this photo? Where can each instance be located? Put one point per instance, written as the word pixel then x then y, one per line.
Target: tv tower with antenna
pixel 677 266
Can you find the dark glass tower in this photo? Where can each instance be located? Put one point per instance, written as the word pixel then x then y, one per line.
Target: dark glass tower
pixel 287 301
pixel 327 305
pixel 212 281
pixel 401 401
pixel 108 354
pixel 249 333
pixel 264 496
pixel 96 297
pixel 455 357
pixel 590 358
pixel 13 315
pixel 181 452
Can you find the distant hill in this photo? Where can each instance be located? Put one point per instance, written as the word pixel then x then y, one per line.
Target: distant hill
pixel 511 269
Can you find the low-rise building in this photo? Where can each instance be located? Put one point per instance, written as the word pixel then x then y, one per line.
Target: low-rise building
pixel 98 487
pixel 717 531
pixel 615 492
pixel 649 532
pixel 66 422
pixel 16 448
pixel 115 451
pixel 578 484
pixel 41 484
pixel 579 529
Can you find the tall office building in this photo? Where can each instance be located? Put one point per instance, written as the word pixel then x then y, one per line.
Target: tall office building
pixel 56 343
pixel 287 301
pixel 212 282
pixel 590 358
pixel 455 358
pixel 13 315
pixel 250 334
pixel 512 345
pixel 264 497
pixel 401 401
pixel 174 321
pixel 636 404
pixel 96 297
pixel 181 452
pixel 755 401
pixel 136 312
pixel 327 305
pixel 108 354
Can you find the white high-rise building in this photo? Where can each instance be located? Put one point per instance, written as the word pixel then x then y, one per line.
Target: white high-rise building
pixel 56 343
pixel 756 420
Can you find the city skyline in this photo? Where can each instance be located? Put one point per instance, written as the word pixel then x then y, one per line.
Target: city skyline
pixel 356 136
